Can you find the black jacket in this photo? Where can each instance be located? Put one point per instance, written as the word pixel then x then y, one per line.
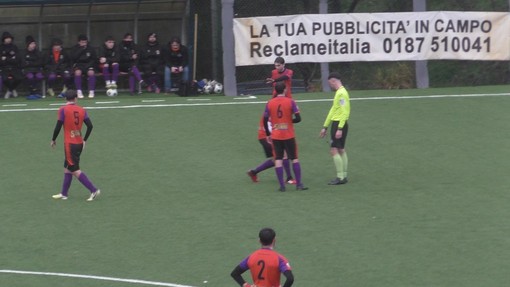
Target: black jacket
pixel 9 56
pixel 176 59
pixel 111 55
pixel 32 61
pixel 83 56
pixel 152 54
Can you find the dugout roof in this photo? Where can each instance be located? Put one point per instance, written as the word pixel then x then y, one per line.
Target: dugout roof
pixel 44 19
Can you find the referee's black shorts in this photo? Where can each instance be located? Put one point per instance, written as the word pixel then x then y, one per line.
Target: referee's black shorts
pixel 72 156
pixel 282 146
pixel 339 143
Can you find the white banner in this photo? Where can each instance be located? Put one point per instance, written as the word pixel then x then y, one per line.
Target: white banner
pixel 373 37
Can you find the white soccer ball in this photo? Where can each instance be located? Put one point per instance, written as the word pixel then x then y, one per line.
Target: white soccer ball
pixel 218 88
pixel 208 88
pixel 111 92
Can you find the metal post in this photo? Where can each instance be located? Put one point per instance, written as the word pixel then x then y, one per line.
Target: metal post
pixel 227 40
pixel 137 15
pixel 323 9
pixel 214 30
pixel 421 67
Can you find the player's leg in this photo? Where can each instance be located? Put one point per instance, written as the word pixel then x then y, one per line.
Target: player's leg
pixel 31 82
pixel 68 175
pixel 268 163
pixel 51 78
pixel 336 148
pixel 74 167
pixel 168 79
pixel 91 81
pixel 115 75
pixel 39 77
pixel 67 81
pixel 105 68
pixel 342 151
pixel 279 148
pixel 286 166
pixel 292 152
pixel 77 82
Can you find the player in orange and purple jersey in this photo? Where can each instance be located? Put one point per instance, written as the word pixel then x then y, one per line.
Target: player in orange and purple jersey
pixel 72 117
pixel 283 112
pixel 281 74
pixel 265 264
pixel 269 162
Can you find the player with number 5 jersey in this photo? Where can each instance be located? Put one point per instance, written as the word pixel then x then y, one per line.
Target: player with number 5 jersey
pixel 72 117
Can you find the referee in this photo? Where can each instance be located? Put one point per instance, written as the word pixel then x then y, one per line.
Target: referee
pixel 337 117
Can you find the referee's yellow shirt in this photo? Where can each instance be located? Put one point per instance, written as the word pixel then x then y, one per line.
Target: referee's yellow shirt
pixel 340 110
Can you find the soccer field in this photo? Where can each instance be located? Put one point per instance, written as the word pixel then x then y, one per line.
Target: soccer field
pixel 427 202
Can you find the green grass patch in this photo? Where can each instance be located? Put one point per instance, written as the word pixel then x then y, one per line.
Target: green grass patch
pixel 426 203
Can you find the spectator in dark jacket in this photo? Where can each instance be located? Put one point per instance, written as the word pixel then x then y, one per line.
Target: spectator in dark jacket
pixel 152 63
pixel 109 58
pixel 176 62
pixel 10 65
pixel 32 66
pixel 58 64
pixel 129 60
pixel 84 59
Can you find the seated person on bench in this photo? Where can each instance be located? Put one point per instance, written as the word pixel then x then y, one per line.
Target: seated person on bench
pixel 176 63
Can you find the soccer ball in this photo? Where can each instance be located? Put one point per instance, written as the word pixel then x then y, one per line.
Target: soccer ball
pixel 218 88
pixel 111 92
pixel 208 88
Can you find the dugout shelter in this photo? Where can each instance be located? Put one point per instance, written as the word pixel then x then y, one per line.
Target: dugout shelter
pixel 66 19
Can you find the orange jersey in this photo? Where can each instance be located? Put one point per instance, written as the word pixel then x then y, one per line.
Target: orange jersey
pixel 265 266
pixel 280 110
pixel 288 83
pixel 72 116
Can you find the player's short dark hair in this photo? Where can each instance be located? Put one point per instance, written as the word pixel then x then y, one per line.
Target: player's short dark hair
pixel 70 95
pixel 109 38
pixel 279 87
pixel 266 236
pixel 334 75
pixel 279 60
pixel 82 37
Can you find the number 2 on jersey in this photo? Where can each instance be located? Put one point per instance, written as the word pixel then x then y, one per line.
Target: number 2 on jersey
pixel 262 265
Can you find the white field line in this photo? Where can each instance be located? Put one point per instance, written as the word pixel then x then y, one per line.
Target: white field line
pixel 109 102
pixel 133 281
pixel 15 105
pixel 258 102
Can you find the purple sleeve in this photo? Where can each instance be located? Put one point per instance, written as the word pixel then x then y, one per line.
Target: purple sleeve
pixel 266 112
pixel 244 264
pixel 61 115
pixel 283 264
pixel 86 115
pixel 295 108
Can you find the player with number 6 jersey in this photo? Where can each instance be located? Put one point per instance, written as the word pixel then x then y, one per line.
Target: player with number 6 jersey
pixel 284 113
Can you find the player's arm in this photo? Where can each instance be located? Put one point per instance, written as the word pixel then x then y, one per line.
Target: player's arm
pixel 237 275
pixel 89 125
pixel 289 278
pixel 296 114
pixel 56 131
pixel 297 118
pixel 281 78
pixel 266 121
